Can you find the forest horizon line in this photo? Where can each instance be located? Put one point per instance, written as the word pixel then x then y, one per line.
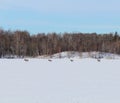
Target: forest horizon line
pixel 22 43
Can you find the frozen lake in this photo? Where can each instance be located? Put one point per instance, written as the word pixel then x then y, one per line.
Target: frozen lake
pixel 59 81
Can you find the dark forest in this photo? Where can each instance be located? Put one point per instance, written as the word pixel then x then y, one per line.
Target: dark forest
pixel 21 43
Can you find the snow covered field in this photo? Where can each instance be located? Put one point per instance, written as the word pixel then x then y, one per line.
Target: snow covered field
pixel 59 81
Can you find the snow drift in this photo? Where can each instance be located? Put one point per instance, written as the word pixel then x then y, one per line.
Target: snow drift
pixel 80 55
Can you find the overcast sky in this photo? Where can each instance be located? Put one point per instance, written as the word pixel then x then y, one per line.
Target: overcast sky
pixel 101 16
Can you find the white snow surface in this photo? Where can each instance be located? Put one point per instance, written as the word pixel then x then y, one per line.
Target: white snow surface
pixel 59 81
pixel 73 54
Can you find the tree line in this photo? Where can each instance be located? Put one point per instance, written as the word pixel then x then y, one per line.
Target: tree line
pixel 21 43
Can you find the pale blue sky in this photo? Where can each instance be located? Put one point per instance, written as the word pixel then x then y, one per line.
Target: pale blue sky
pixel 101 16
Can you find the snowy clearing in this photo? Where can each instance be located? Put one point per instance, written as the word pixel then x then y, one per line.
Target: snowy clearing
pixel 59 81
pixel 80 55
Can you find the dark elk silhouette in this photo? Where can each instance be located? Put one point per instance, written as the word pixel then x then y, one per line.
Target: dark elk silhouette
pixel 71 60
pixel 49 60
pixel 98 60
pixel 26 60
